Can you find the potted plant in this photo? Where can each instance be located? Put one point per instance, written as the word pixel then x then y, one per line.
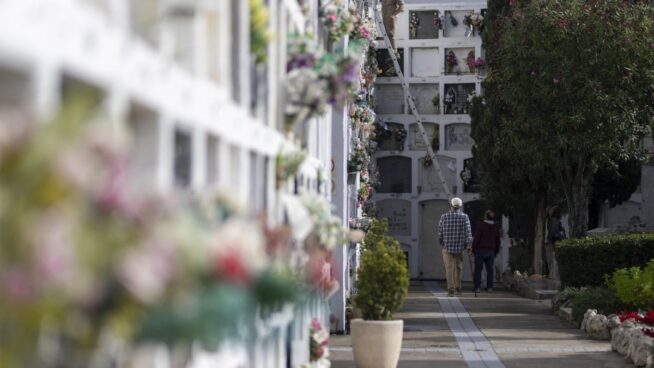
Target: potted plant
pixel 377 338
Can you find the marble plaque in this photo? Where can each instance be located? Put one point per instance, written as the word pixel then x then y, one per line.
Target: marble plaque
pixel 395 174
pixel 430 258
pixel 459 30
pixel 398 213
pixel 457 97
pixel 428 178
pixel 457 137
pixel 423 95
pixel 461 55
pixel 416 143
pixel 390 99
pixel 424 62
pixel 424 25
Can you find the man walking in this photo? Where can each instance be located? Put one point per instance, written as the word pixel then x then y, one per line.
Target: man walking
pixel 455 236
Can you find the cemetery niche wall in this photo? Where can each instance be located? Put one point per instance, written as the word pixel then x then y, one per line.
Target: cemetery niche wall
pixel 457 137
pixel 395 174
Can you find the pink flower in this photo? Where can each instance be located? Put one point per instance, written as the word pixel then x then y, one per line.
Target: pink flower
pixel 556 81
pixel 16 283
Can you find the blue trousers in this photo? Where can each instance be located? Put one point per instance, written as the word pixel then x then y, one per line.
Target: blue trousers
pixel 487 258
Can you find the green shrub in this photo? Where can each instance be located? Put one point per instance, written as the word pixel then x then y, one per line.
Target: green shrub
pixel 585 261
pixel 600 298
pixel 634 286
pixel 382 278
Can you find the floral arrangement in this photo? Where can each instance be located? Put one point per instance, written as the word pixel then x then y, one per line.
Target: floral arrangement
pixel 338 20
pixel 259 34
pixel 438 20
pixel 359 158
pixel 451 61
pixel 480 63
pixel 453 21
pixel 362 223
pixel 399 134
pixel 364 193
pixel 414 23
pixel 471 62
pixel 319 344
pixel 361 114
pixel 450 99
pixel 363 31
pixel 370 68
pixel 427 161
pixel 327 227
pixel 288 164
pixel 316 79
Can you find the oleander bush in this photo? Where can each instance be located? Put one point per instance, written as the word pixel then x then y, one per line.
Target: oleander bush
pixel 586 261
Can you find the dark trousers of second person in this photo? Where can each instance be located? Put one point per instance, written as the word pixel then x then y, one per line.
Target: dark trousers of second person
pixel 484 257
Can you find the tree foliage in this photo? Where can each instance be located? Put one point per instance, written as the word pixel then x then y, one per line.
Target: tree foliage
pixel 570 88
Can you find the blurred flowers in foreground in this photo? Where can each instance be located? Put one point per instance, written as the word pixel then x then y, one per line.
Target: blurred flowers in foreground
pixel 84 259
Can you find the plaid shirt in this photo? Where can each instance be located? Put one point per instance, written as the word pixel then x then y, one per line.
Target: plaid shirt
pixel 454 232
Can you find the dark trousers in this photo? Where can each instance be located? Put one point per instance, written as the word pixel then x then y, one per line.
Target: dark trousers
pixel 487 258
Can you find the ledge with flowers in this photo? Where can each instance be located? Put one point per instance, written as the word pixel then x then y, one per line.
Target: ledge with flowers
pixel 93 272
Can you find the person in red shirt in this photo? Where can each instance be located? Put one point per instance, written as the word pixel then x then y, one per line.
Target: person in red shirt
pixel 485 246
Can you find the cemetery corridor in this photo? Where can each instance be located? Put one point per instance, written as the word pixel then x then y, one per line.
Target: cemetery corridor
pixel 493 330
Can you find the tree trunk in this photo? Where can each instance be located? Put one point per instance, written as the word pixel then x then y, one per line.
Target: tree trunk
pixel 577 195
pixel 539 232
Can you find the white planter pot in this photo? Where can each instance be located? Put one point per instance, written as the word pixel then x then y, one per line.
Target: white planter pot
pixel 376 344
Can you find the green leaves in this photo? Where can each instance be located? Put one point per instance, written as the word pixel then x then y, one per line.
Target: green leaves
pixel 382 278
pixel 585 261
pixel 634 286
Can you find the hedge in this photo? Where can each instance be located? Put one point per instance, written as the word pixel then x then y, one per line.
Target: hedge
pixel 585 261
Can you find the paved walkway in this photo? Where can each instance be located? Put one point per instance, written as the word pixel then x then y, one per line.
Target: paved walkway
pixel 493 330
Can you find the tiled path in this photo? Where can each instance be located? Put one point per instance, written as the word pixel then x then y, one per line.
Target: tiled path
pixel 493 330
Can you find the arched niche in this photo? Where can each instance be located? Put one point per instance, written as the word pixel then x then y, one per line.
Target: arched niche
pixel 428 178
pixel 416 143
pixel 430 259
pixel 457 137
pixel 398 214
pixel 395 174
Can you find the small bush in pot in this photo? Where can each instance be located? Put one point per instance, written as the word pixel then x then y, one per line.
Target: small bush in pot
pixel 383 280
pixel 382 286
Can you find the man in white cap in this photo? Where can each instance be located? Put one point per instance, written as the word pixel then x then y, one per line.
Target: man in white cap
pixel 455 236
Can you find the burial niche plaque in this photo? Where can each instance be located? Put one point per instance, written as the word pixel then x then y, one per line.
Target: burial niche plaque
pixel 390 99
pixel 453 23
pixel 398 213
pixel 426 98
pixel 428 178
pixel 457 137
pixel 424 62
pixel 416 143
pixel 395 174
pixel 459 61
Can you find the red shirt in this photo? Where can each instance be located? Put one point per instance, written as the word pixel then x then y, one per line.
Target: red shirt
pixel 487 237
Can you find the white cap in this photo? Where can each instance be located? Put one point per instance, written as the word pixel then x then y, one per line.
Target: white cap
pixel 456 202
